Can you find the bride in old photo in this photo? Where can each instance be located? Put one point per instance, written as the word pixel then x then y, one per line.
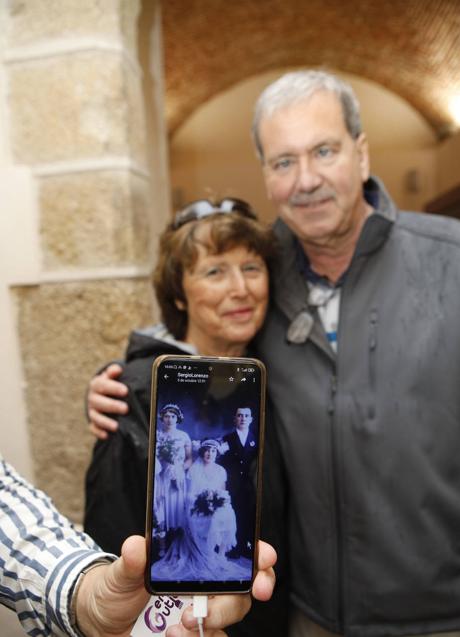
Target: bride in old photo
pixel 209 532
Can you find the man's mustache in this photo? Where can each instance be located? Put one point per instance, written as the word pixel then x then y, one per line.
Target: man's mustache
pixel 306 198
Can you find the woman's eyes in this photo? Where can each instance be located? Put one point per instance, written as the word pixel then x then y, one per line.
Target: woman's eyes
pixel 216 271
pixel 213 271
pixel 253 267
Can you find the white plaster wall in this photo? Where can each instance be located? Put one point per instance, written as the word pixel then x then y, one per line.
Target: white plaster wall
pixel 18 263
pixel 18 258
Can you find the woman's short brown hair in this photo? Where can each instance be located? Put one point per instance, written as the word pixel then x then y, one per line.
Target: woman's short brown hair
pixel 179 252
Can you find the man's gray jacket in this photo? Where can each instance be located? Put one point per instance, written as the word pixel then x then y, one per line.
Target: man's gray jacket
pixel 371 436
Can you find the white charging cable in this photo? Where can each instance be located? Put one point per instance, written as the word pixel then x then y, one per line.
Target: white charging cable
pixel 200 610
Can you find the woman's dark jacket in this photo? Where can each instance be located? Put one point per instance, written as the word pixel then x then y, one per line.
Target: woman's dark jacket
pixel 116 480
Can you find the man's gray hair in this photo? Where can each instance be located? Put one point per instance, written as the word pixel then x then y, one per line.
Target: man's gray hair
pixel 298 86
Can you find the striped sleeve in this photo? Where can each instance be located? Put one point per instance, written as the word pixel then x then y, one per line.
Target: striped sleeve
pixel 41 557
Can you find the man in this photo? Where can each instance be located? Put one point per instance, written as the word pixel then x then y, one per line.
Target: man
pixel 60 583
pixel 238 461
pixel 362 349
pixel 363 353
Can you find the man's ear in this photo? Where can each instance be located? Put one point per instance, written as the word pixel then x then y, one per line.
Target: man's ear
pixel 180 305
pixel 363 154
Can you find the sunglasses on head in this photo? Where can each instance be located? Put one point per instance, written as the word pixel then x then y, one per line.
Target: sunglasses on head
pixel 205 208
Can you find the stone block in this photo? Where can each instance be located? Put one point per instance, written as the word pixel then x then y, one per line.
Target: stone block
pixel 67 331
pixel 76 106
pixel 95 219
pixel 35 22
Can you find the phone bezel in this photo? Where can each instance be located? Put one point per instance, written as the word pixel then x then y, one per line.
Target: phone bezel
pixel 202 587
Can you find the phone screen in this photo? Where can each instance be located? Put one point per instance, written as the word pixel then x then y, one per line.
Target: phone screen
pixel 207 423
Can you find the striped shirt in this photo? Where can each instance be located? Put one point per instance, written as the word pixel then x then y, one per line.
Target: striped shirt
pixel 323 295
pixel 41 557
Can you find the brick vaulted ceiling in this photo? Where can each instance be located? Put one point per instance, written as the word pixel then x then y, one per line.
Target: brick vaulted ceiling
pixel 411 47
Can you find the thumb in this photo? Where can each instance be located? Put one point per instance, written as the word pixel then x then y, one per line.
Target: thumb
pixel 129 569
pixel 112 596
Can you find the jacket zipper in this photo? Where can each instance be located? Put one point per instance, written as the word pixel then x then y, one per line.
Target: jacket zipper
pixel 338 514
pixel 373 322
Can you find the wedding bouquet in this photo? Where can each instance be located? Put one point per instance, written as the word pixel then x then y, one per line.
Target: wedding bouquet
pixel 207 502
pixel 167 451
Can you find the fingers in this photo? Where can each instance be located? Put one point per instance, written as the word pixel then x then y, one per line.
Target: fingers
pixel 100 424
pixel 101 385
pixel 267 555
pixel 223 610
pixel 98 433
pixel 264 582
pixel 114 370
pixel 103 398
pixel 104 403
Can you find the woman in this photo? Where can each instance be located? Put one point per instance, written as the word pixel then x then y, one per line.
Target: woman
pixel 209 527
pixel 174 453
pixel 212 521
pixel 211 283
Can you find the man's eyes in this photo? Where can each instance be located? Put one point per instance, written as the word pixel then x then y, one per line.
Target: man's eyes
pixel 325 152
pixel 283 163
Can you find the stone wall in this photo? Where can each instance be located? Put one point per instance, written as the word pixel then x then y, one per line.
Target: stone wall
pixel 66 331
pixel 75 107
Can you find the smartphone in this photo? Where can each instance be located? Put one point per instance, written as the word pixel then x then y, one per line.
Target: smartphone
pixel 204 477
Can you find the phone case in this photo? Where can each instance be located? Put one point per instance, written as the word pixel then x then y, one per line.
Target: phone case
pixel 205 455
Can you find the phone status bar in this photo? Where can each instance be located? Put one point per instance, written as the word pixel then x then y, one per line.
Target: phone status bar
pixel 201 367
pixel 199 372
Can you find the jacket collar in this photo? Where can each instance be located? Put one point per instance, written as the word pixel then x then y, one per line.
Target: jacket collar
pixel 155 340
pixel 289 289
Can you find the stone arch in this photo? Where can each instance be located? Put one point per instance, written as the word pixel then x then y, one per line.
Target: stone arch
pixel 410 47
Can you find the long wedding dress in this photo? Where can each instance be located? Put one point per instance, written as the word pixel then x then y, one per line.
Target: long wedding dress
pixel 199 551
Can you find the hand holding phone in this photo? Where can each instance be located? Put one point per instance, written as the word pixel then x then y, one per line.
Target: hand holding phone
pixel 207 425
